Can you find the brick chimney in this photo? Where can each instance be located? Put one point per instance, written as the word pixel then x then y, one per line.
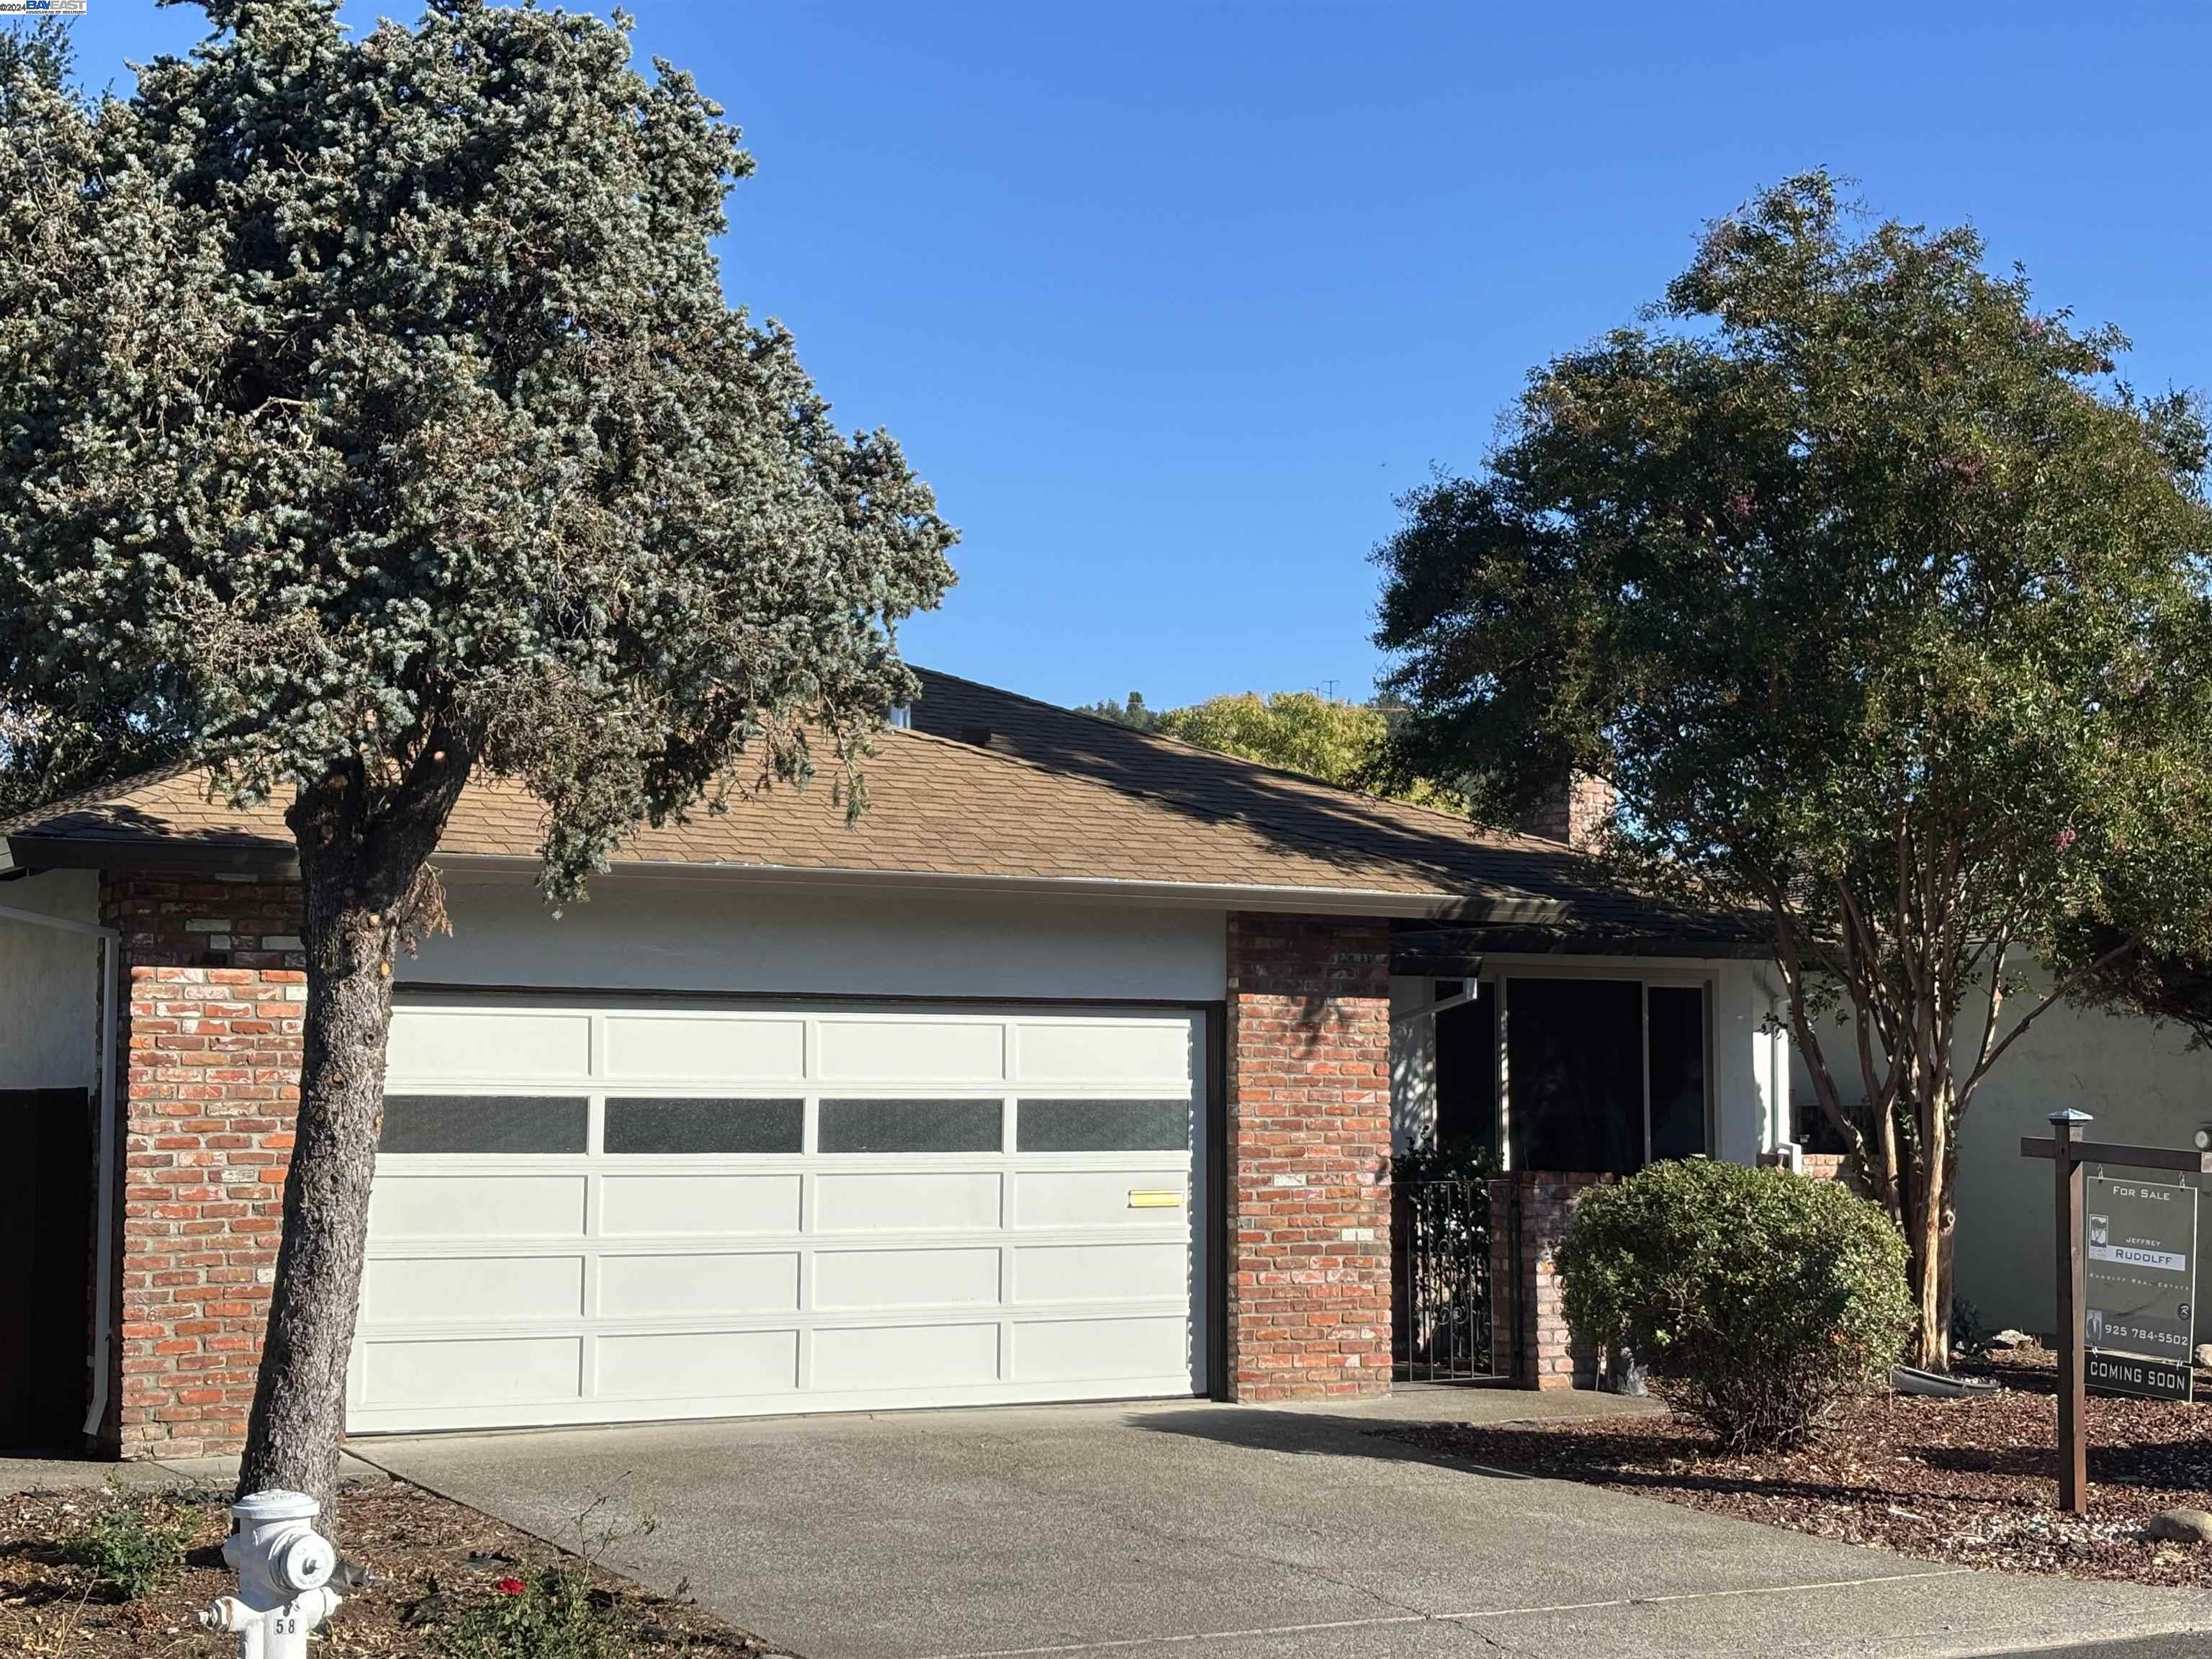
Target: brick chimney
pixel 1576 814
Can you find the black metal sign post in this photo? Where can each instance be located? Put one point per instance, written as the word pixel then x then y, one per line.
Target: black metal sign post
pixel 2067 1153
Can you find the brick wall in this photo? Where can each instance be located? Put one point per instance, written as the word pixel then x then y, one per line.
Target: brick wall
pixel 1834 1166
pixel 1529 1210
pixel 1309 1115
pixel 211 1082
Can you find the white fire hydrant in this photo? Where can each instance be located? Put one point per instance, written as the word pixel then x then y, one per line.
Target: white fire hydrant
pixel 284 1567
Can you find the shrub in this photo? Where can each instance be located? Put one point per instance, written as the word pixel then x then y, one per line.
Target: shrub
pixel 129 1547
pixel 553 1614
pixel 1757 1299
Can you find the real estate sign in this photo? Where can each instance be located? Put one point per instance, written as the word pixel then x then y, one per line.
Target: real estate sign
pixel 2140 1283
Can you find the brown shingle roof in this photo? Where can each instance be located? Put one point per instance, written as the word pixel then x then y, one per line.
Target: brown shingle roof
pixel 1050 796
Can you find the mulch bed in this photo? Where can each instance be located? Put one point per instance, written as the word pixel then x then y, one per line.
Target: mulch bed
pixel 1966 1481
pixel 428 1555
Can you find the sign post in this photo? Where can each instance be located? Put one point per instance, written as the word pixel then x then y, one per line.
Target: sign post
pixel 2066 1129
pixel 2067 1153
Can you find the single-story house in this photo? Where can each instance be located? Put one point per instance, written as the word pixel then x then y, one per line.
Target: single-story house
pixel 1073 1070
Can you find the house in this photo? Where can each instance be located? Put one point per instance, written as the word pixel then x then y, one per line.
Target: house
pixel 1073 1070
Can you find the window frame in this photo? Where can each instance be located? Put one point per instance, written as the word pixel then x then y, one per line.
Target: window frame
pixel 1493 981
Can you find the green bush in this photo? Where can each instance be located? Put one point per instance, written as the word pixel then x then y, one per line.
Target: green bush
pixel 553 1614
pixel 131 1548
pixel 1758 1300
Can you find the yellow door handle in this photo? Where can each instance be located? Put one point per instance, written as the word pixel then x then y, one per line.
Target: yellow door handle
pixel 1160 1198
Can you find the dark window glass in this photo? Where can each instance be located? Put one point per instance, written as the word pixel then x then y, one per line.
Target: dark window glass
pixel 1575 1048
pixel 911 1126
pixel 1102 1125
pixel 704 1126
pixel 1467 1072
pixel 484 1123
pixel 1678 1070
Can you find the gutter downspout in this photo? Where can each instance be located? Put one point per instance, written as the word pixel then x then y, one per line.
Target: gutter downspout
pixel 111 988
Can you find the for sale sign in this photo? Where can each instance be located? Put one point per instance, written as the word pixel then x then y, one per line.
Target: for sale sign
pixel 2139 1307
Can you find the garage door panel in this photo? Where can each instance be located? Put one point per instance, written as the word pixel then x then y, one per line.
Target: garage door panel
pixel 618 1212
pixel 419 1289
pixel 1101 1350
pixel 870 1279
pixel 920 1201
pixel 645 1206
pixel 476 1371
pixel 675 1365
pixel 1100 1272
pixel 1105 1051
pixel 910 1050
pixel 738 1049
pixel 437 1045
pixel 1099 1198
pixel 905 1355
pixel 456 1206
pixel 694 1285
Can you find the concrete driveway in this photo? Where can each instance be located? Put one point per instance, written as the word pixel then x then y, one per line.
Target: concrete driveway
pixel 1144 1532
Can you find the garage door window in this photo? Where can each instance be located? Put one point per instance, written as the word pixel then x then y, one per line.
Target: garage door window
pixel 500 1124
pixel 704 1126
pixel 1102 1125
pixel 911 1126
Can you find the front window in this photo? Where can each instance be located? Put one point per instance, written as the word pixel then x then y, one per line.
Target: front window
pixel 1603 1075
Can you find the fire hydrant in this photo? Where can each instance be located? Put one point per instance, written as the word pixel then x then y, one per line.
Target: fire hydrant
pixel 284 1567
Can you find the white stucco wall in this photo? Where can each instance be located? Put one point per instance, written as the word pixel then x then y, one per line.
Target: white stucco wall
pixel 49 984
pixel 2144 1083
pixel 1751 1076
pixel 692 937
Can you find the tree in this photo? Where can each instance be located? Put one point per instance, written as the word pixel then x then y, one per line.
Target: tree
pixel 373 407
pixel 1131 713
pixel 41 50
pixel 1883 604
pixel 1339 742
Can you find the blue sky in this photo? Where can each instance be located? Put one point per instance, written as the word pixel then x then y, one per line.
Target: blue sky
pixel 1170 301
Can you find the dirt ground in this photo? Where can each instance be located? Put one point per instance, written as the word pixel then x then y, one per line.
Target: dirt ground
pixel 1966 1481
pixel 429 1557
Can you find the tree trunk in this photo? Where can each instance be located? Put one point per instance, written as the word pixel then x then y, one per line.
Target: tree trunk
pixel 1932 1175
pixel 365 877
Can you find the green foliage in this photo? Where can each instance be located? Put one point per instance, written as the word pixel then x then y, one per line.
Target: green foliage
pixel 1132 714
pixel 375 418
pixel 1339 743
pixel 1885 607
pixel 41 49
pixel 131 1548
pixel 557 1614
pixel 1757 1299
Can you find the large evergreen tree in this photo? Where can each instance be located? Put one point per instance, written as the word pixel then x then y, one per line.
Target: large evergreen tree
pixel 372 418
pixel 1884 605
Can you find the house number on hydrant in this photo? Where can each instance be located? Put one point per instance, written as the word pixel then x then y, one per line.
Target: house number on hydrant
pixel 284 1567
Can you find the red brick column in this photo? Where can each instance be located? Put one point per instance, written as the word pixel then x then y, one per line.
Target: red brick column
pixel 1309 1108
pixel 211 1082
pixel 1529 1210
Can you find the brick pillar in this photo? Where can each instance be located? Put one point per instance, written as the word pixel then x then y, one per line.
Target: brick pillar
pixel 1309 1109
pixel 210 1083
pixel 1529 1210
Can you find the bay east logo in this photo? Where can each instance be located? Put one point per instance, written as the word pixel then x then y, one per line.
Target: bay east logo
pixel 41 8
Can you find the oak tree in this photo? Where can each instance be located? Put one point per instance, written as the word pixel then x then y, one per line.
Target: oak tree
pixel 1883 603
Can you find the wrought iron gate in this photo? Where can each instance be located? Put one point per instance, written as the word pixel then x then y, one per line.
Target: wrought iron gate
pixel 1440 1274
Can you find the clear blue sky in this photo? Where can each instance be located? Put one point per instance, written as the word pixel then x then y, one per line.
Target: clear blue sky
pixel 1169 301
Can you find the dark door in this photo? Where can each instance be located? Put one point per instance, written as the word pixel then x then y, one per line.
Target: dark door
pixel 46 1238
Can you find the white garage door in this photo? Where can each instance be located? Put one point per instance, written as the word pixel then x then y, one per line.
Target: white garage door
pixel 594 1214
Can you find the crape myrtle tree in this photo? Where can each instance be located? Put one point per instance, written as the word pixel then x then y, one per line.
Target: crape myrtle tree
pixel 1883 605
pixel 372 415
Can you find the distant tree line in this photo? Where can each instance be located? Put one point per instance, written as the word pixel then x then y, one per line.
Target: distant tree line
pixel 1336 740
